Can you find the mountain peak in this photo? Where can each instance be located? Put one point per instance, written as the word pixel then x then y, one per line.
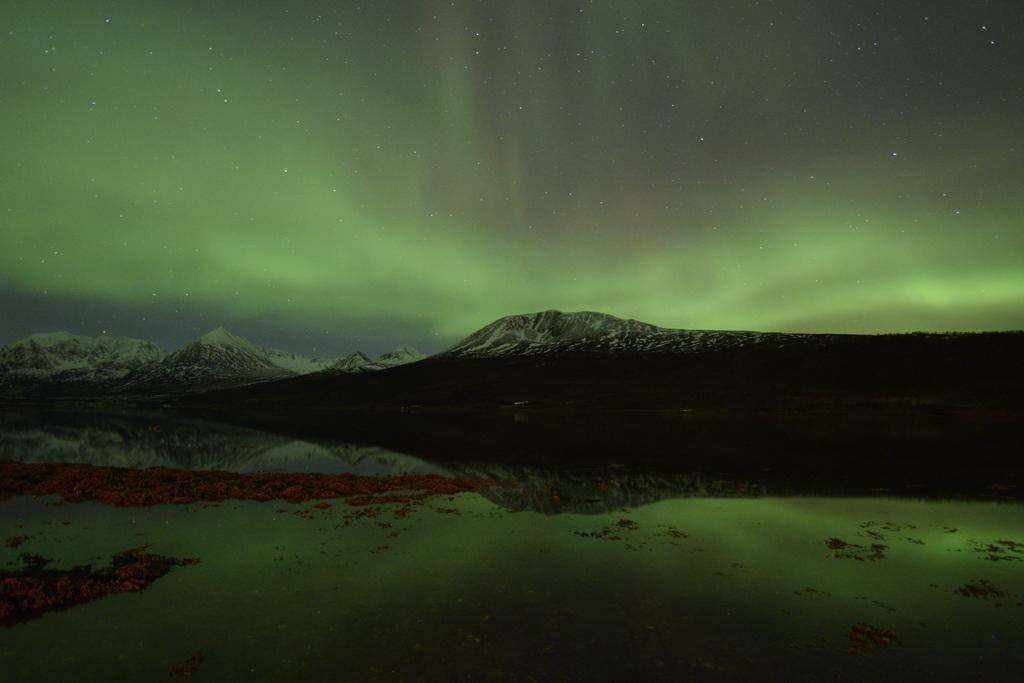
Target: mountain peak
pixel 71 358
pixel 544 331
pixel 221 337
pixel 403 353
pixel 555 319
pixel 589 331
pixel 353 362
pixel 47 338
pixel 358 362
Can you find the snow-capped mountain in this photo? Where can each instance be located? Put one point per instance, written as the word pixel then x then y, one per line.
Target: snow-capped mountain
pixel 219 358
pixel 300 365
pixel 354 362
pixel 220 351
pixel 557 332
pixel 64 364
pixel 400 355
pixel 62 357
pixel 358 362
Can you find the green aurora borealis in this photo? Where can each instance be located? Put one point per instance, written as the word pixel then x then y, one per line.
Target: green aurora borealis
pixel 388 172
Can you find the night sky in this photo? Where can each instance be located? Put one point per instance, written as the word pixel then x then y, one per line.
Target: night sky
pixel 324 176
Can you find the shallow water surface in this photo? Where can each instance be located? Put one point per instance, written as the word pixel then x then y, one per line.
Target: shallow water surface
pixel 594 574
pixel 725 588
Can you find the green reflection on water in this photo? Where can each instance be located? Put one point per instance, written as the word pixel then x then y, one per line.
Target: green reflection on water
pixel 706 588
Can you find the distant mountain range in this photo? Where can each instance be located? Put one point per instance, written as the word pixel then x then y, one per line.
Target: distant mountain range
pixel 61 363
pixel 552 362
pixel 574 464
pixel 61 357
pixel 547 361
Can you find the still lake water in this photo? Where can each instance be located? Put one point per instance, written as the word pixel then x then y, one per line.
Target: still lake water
pixel 596 573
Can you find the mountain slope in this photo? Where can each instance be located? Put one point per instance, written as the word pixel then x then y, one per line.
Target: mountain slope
pixel 400 355
pixel 61 364
pixel 555 363
pixel 590 332
pixel 216 359
pixel 354 362
pixel 219 351
pixel 72 361
pixel 221 359
pixel 300 365
pixel 358 362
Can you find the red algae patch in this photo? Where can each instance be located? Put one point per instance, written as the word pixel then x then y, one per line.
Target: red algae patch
pixel 34 590
pixel 158 486
pixel 189 667
pixel 998 551
pixel 853 551
pixel 982 589
pixel 866 637
pixel 15 541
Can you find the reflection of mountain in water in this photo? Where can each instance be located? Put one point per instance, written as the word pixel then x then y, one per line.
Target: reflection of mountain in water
pixel 553 467
pixel 157 439
pixel 142 439
pixel 593 491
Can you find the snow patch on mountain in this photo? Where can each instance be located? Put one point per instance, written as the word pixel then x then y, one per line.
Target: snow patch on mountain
pixel 67 357
pixel 588 331
pixel 358 362
pixel 354 362
pixel 216 356
pixel 43 363
pixel 400 355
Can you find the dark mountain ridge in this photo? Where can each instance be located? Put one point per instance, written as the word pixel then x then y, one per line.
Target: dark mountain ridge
pixel 554 362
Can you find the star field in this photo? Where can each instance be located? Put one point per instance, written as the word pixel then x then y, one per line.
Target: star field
pixel 326 176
